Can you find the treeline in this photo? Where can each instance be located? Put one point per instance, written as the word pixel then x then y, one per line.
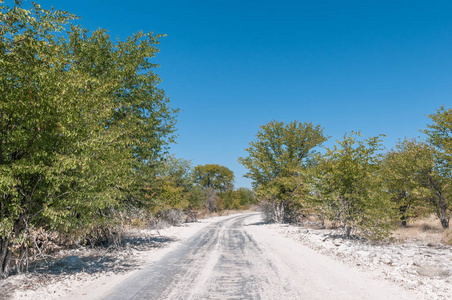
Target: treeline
pixel 84 135
pixel 181 188
pixel 356 184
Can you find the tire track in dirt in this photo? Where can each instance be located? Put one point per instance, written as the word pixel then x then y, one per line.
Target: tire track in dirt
pixel 220 262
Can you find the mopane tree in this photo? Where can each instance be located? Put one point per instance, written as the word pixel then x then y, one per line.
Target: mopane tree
pixel 79 115
pixel 276 158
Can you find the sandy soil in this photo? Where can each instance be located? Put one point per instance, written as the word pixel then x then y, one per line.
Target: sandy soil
pixel 239 258
pixel 91 273
pixel 416 265
pixel 415 270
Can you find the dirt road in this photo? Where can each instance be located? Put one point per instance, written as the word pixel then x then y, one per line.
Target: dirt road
pixel 237 259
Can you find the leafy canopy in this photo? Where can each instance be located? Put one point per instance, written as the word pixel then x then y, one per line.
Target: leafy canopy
pixel 214 176
pixel 345 186
pixel 81 119
pixel 281 150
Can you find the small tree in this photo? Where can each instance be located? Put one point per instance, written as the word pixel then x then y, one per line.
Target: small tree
pixel 402 173
pixel 172 186
pixel 214 176
pixel 438 177
pixel 345 185
pixel 214 179
pixel 237 199
pixel 247 197
pixel 281 199
pixel 276 159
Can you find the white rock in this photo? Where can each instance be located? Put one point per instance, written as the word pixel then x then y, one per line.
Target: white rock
pixel 342 248
pixel 363 253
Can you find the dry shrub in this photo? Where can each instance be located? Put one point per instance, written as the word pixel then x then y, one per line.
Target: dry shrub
pixel 268 211
pixel 173 217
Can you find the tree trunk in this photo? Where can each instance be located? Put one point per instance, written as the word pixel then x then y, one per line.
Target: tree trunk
pixel 443 215
pixel 5 257
pixel 347 227
pixel 211 200
pixel 348 231
pixel 279 212
pixel 440 203
pixel 442 211
pixel 403 212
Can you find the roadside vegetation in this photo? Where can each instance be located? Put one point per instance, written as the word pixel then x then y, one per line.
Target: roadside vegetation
pixel 356 185
pixel 85 133
pixel 84 138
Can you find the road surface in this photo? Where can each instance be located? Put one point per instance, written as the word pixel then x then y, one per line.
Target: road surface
pixel 236 258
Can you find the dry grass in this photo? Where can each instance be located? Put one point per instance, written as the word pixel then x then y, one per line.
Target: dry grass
pixel 427 230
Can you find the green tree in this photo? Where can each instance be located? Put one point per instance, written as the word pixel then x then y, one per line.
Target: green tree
pixel 79 116
pixel 440 134
pixel 214 176
pixel 438 176
pixel 278 155
pixel 214 179
pixel 402 170
pixel 172 186
pixel 240 198
pixel 346 186
pixel 230 199
pixel 247 197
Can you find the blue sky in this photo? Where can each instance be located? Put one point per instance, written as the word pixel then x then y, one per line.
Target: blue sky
pixel 374 66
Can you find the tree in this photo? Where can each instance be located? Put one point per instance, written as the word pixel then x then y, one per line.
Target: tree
pixel 402 171
pixel 280 153
pixel 281 200
pixel 247 197
pixel 237 199
pixel 230 199
pixel 438 176
pixel 345 185
pixel 214 179
pixel 79 116
pixel 172 185
pixel 214 176
pixel 440 134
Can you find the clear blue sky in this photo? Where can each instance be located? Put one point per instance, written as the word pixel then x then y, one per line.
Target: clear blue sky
pixel 375 66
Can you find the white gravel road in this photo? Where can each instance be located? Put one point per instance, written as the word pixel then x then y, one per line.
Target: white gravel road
pixel 236 258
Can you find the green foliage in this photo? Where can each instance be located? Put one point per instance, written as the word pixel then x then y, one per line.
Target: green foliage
pixel 230 200
pixel 81 121
pixel 197 198
pixel 280 150
pixel 283 199
pixel 402 172
pixel 438 177
pixel 214 176
pixel 440 133
pixel 172 186
pixel 278 156
pixel 241 198
pixel 247 197
pixel 345 186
